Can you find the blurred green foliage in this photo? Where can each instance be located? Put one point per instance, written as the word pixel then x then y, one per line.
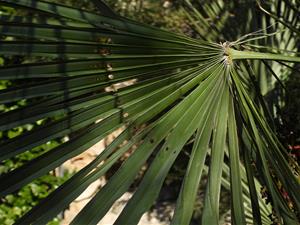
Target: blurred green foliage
pixel 15 205
pixel 159 13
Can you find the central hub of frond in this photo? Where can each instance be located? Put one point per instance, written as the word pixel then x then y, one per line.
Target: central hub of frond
pixel 227 59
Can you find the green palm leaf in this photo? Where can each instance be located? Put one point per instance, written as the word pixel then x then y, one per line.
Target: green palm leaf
pixel 180 89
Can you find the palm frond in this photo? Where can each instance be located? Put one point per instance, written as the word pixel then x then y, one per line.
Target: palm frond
pixel 179 89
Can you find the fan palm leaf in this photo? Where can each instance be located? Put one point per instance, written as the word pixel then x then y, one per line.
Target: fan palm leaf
pixel 180 89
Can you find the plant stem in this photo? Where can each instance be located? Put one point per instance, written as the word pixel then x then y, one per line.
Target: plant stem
pixel 235 54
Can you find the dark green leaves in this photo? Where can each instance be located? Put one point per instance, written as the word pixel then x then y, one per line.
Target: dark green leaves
pixel 92 73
